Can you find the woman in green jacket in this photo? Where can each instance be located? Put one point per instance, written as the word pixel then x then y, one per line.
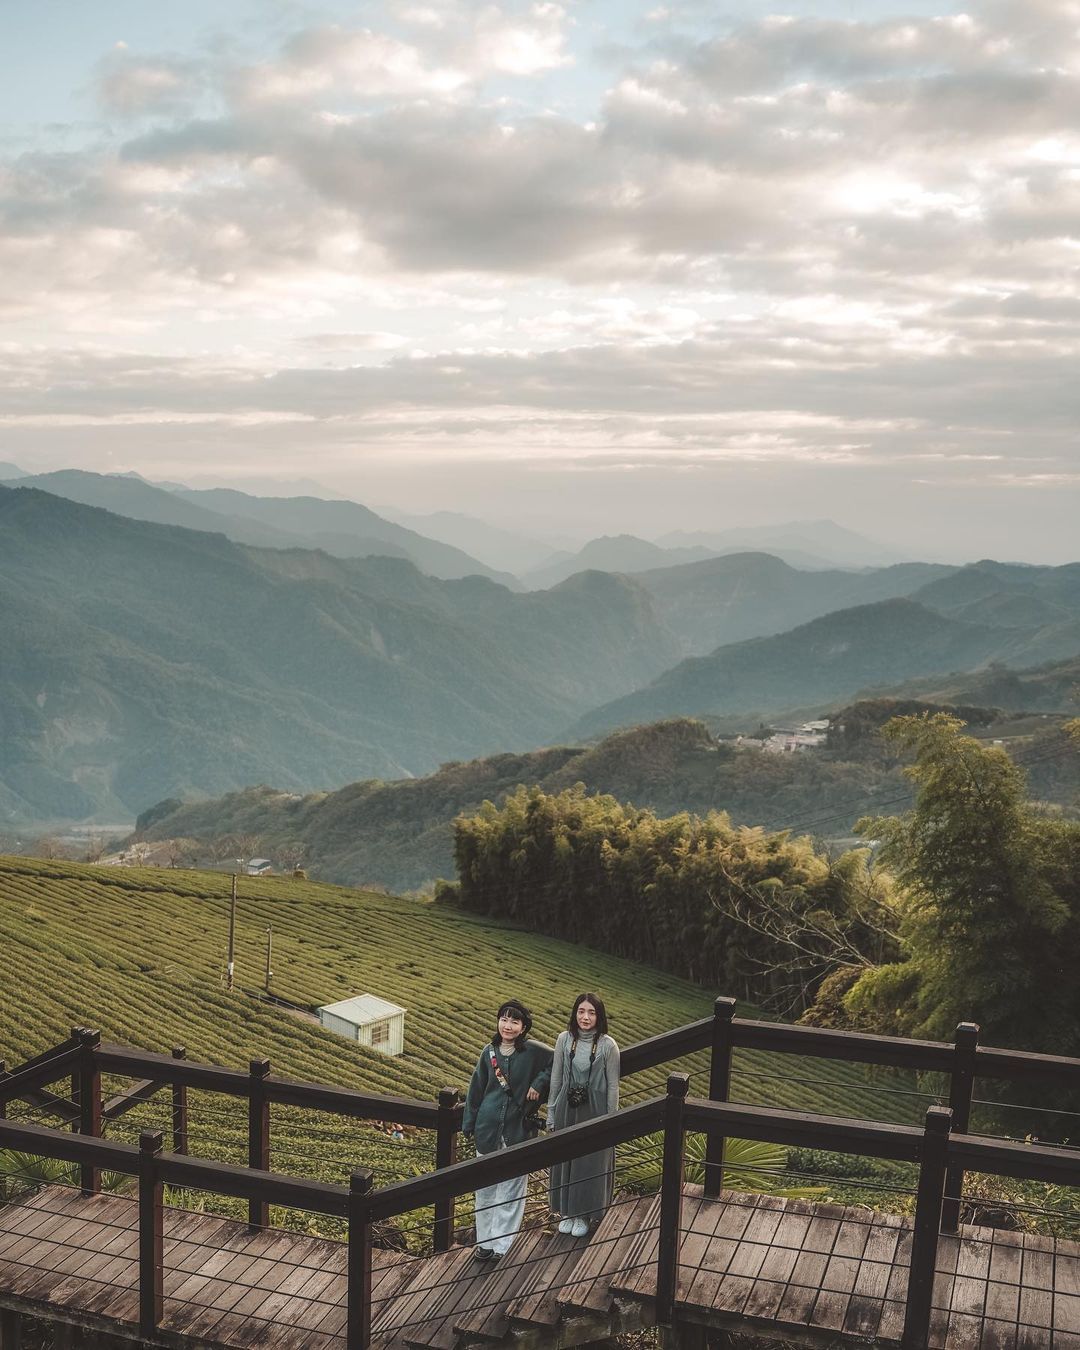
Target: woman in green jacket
pixel 508 1084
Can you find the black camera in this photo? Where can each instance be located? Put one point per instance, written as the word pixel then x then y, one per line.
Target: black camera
pixel 533 1121
pixel 577 1094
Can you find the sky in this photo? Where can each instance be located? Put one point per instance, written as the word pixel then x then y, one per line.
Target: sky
pixel 579 267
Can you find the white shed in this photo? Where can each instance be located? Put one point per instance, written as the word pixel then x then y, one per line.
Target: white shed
pixel 367 1019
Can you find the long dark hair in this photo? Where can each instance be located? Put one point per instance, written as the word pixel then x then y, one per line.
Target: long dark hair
pixel 601 1015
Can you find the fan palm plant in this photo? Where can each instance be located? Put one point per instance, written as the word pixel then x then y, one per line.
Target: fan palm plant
pixel 27 1172
pixel 749 1165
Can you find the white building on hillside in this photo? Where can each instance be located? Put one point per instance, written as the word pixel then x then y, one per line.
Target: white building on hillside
pixel 368 1020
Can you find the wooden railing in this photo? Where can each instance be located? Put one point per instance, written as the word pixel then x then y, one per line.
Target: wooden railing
pixel 942 1150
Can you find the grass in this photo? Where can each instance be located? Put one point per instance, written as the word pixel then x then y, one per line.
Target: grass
pixel 139 954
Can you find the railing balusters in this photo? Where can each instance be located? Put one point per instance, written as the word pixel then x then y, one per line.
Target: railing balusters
pixel 259 1136
pixel 719 1090
pixel 151 1262
pixel 445 1155
pixel 179 1108
pixel 924 1243
pixel 961 1090
pixel 358 1327
pixel 89 1105
pixel 671 1188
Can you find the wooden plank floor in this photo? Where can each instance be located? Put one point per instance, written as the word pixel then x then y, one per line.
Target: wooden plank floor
pixel 812 1271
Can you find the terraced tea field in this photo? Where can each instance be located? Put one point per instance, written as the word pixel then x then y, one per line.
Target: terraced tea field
pixel 140 955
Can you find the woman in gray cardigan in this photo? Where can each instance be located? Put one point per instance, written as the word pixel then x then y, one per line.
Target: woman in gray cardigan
pixel 584 1085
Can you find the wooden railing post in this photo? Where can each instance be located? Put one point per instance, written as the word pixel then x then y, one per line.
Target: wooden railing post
pixel 179 1108
pixel 3 1116
pixel 671 1184
pixel 151 1300
pixel 445 1155
pixel 259 1136
pixel 920 1290
pixel 358 1328
pixel 76 1083
pixel 960 1094
pixel 719 1090
pixel 89 1105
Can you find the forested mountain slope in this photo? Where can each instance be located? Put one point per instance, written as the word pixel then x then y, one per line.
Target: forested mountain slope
pixel 142 661
pixel 400 834
pixel 833 658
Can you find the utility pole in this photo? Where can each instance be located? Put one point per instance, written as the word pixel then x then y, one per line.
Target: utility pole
pixel 230 965
pixel 269 953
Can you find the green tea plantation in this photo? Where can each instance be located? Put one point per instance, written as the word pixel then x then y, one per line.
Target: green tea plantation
pixel 140 955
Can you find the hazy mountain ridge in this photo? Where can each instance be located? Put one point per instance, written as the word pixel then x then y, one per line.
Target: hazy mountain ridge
pixel 505 550
pixel 141 660
pixel 746 595
pixel 345 529
pixel 812 543
pixel 612 553
pixel 832 658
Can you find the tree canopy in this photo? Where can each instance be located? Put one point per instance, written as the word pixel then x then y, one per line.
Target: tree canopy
pixel 988 892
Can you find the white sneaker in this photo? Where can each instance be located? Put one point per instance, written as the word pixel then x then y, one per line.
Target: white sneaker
pixel 567 1226
pixel 579 1228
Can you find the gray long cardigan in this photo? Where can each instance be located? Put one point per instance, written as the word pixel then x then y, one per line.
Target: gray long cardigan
pixel 603 1081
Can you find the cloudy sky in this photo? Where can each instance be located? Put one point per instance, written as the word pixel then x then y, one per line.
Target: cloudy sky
pixel 588 265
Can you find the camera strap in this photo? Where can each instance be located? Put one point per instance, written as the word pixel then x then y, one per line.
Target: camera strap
pixel 500 1077
pixel 592 1052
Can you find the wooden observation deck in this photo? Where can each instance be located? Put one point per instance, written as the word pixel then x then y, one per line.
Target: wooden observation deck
pixel 688 1258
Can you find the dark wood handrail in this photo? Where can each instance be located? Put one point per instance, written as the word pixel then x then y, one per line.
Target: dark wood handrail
pixel 744 1033
pixel 941 1156
pixel 1010 1064
pixel 998 1157
pixel 246 1183
pixel 632 1122
pixel 827 1043
pixel 667 1046
pixel 796 1129
pixel 38 1073
pixel 282 1091
pixel 932 1148
pixel 1009 1158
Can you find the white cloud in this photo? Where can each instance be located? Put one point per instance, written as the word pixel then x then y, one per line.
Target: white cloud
pixel 866 227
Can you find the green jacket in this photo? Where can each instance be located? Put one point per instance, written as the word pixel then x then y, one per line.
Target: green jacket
pixel 493 1114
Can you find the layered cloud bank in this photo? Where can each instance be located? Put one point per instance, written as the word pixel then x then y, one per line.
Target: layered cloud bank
pixel 791 255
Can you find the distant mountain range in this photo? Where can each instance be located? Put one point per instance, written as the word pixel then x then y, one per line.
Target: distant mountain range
pixel 611 553
pixel 850 650
pixel 183 642
pixel 802 543
pixel 342 528
pixel 505 550
pixel 808 545
pixel 141 660
pixel 747 595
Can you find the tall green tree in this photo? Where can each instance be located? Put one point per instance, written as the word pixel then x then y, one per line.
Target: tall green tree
pixel 989 896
